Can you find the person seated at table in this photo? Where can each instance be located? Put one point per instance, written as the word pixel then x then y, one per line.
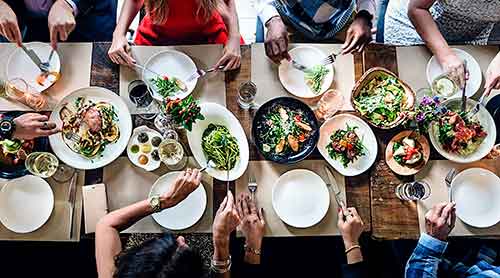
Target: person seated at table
pixel 173 22
pixel 166 256
pixel 68 20
pixel 437 23
pixel 26 126
pixel 317 20
pixel 428 258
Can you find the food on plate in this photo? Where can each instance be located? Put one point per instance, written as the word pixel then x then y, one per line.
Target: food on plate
pixel 184 112
pixel 134 149
pixel 142 137
pixel 408 152
pixel 155 155
pixel 345 145
pixel 155 141
pixel 13 152
pixel 284 131
pixel 381 100
pixel 459 134
pixel 220 146
pixel 47 78
pixel 444 86
pixel 315 76
pixel 167 87
pixel 146 148
pixel 88 126
pixel 143 160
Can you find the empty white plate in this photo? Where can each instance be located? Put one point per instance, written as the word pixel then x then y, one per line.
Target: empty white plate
pixel 186 213
pixel 434 70
pixel 300 198
pixel 293 79
pixel 26 203
pixel 477 194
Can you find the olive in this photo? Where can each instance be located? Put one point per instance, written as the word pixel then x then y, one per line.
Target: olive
pixel 156 141
pixel 143 137
pixel 155 155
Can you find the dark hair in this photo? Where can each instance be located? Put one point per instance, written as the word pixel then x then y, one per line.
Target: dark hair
pixel 159 258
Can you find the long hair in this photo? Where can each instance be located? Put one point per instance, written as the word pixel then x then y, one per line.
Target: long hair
pixel 158 9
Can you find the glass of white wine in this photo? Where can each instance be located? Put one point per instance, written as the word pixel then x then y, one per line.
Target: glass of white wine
pixel 172 154
pixel 42 164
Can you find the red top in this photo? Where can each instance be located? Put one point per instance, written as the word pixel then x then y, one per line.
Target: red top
pixel 182 27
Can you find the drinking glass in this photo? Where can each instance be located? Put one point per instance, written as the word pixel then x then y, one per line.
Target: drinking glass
pixel 495 152
pixel 329 104
pixel 246 94
pixel 412 191
pixel 164 123
pixel 447 78
pixel 172 154
pixel 42 164
pixel 144 103
pixel 19 90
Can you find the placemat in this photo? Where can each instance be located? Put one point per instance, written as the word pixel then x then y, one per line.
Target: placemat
pixel 434 174
pixel 265 75
pixel 76 60
pixel 211 88
pixel 57 227
pixel 412 63
pixel 266 174
pixel 127 184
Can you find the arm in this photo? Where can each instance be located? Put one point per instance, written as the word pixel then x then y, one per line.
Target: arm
pixel 276 42
pixel 265 10
pixel 367 5
pixel 492 76
pixel 231 57
pixel 351 226
pixel 360 32
pixel 9 27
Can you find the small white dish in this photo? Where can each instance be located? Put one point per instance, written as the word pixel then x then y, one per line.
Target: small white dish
pixel 217 114
pixel 476 192
pixel 134 157
pixel 170 63
pixel 300 198
pixel 363 131
pixel 26 203
pixel 186 213
pixel 19 65
pixel 434 70
pixel 293 79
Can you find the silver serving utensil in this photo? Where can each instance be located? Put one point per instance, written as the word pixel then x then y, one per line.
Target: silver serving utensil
pixel 448 180
pixel 332 184
pixel 476 108
pixel 199 73
pixel 34 57
pixel 330 59
pixel 46 65
pixel 252 185
pixel 299 66
pixel 71 201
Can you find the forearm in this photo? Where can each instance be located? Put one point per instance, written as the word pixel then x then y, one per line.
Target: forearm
pixel 230 18
pixel 221 253
pixel 252 257
pixel 367 5
pixel 424 261
pixel 129 11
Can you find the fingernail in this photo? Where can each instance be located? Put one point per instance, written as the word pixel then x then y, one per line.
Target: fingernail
pixel 339 209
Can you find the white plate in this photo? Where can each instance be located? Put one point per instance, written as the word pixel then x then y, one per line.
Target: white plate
pixel 186 213
pixel 477 194
pixel 112 151
pixel 20 65
pixel 26 203
pixel 171 63
pixel 363 131
pixel 300 198
pixel 133 157
pixel 434 70
pixel 486 121
pixel 218 114
pixel 293 79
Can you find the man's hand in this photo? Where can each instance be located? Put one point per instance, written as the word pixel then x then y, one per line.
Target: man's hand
pixel 9 28
pixel 276 42
pixel 350 228
pixel 33 125
pixel 186 182
pixel 253 224
pixel 492 76
pixel 358 35
pixel 231 57
pixel 437 219
pixel 61 22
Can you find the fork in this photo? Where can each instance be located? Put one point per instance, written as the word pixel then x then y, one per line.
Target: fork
pixel 252 185
pixel 330 59
pixel 474 110
pixel 46 65
pixel 75 138
pixel 199 73
pixel 448 180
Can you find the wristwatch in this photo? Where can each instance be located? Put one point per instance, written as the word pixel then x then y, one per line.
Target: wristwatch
pixel 7 127
pixel 154 202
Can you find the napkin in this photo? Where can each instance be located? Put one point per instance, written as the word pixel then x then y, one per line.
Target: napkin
pixel 94 205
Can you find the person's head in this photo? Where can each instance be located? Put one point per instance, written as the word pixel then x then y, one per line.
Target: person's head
pixel 158 9
pixel 165 257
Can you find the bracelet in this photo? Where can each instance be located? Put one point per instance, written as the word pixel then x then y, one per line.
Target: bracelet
pixel 251 250
pixel 221 266
pixel 352 248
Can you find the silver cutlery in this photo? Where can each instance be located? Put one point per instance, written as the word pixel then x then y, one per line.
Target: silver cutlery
pixel 476 108
pixel 199 73
pixel 46 65
pixel 71 201
pixel 252 185
pixel 299 66
pixel 448 181
pixel 34 58
pixel 464 97
pixel 75 138
pixel 330 59
pixel 210 164
pixel 147 69
pixel 332 184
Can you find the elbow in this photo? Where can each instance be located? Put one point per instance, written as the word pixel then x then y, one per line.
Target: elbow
pixel 412 13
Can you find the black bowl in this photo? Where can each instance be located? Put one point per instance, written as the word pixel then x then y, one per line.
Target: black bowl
pixel 493 106
pixel 306 148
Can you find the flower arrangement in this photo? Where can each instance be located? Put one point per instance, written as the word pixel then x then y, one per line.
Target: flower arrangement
pixel 184 112
pixel 428 110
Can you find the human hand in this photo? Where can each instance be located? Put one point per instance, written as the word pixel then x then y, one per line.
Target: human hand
pixel 253 224
pixel 231 56
pixel 350 228
pixel 119 52
pixel 226 220
pixel 454 66
pixel 9 28
pixel 185 183
pixel 61 22
pixel 276 43
pixel 358 35
pixel 492 76
pixel 33 125
pixel 436 220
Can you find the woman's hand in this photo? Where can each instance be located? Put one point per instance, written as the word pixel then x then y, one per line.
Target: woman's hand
pixel 9 28
pixel 119 52
pixel 225 222
pixel 358 35
pixel 61 22
pixel 231 56
pixel 186 182
pixel 252 225
pixel 350 228
pixel 454 66
pixel 492 76
pixel 33 125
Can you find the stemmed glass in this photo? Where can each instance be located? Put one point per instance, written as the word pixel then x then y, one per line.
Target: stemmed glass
pixel 46 165
pixel 139 95
pixel 19 90
pixel 329 104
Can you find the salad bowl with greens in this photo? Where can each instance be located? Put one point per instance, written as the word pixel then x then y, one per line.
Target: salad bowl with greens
pixel 382 99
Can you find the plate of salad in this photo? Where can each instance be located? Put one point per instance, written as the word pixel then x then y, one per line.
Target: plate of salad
pixel 285 130
pixel 382 99
pixel 312 83
pixel 173 67
pixel 407 153
pixel 461 138
pixel 348 144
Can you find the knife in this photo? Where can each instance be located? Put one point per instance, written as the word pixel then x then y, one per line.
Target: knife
pixel 299 66
pixel 336 190
pixel 71 201
pixel 34 58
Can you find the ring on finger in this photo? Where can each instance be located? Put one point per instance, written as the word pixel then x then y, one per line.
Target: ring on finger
pixel 45 125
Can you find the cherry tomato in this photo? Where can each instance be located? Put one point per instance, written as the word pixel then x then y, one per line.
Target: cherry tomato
pixel 165 78
pixel 298 118
pixel 302 137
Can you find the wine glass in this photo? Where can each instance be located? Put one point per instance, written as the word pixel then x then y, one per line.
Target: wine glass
pixel 46 165
pixel 144 103
pixel 329 104
pixel 172 153
pixel 19 90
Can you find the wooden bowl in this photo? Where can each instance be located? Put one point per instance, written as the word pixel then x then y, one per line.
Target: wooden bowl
pixel 401 169
pixel 367 77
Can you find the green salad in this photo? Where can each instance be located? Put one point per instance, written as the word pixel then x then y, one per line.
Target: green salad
pixel 345 145
pixel 381 100
pixel 220 146
pixel 167 87
pixel 315 76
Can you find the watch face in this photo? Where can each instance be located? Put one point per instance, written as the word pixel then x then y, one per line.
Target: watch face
pixel 5 126
pixel 155 201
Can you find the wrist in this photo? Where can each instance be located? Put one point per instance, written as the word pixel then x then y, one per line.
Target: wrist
pixel 275 20
pixel 166 202
pixel 119 33
pixel 350 243
pixel 254 244
pixel 365 16
pixel 221 249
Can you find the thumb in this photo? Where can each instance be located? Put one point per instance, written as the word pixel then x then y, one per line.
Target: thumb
pixel 374 30
pixel 340 217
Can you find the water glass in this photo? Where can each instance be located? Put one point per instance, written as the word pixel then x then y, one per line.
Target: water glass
pixel 172 154
pixel 19 90
pixel 413 191
pixel 164 123
pixel 42 164
pixel 246 94
pixel 329 104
